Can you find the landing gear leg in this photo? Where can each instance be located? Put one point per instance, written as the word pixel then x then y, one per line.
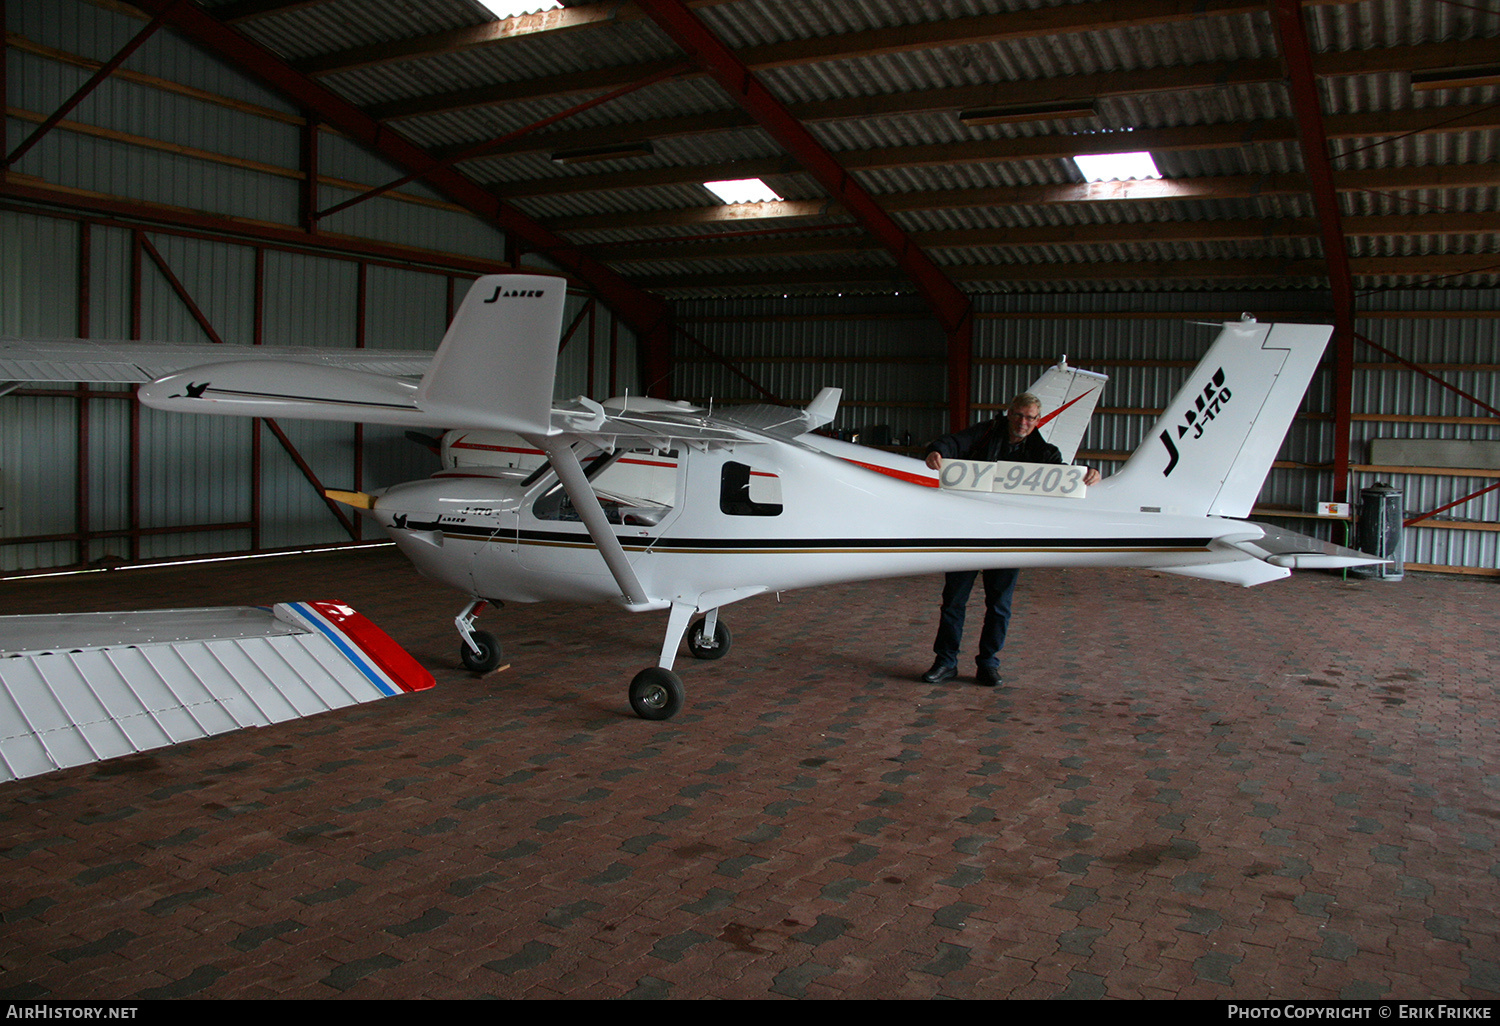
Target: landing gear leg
pixel 480 650
pixel 656 693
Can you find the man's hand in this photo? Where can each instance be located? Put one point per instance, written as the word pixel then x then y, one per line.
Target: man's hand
pixel 934 461
pixel 1091 476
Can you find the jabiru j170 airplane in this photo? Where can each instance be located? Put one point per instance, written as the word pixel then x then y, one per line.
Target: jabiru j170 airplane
pixel 659 505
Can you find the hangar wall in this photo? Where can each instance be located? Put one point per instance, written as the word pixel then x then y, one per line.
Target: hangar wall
pixel 175 135
pixel 116 224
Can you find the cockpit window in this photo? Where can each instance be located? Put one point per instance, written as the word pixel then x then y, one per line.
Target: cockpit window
pixel 747 492
pixel 636 487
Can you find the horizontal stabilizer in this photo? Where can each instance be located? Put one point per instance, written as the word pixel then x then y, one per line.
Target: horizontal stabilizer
pixel 80 688
pixel 1299 552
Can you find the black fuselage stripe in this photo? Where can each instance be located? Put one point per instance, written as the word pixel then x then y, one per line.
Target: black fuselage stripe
pixel 771 544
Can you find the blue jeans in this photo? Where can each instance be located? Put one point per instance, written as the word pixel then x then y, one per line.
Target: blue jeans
pixel 999 585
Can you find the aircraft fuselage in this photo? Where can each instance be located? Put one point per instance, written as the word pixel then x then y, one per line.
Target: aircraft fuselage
pixel 761 519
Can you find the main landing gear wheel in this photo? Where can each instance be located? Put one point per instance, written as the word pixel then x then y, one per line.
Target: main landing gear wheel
pixel 656 694
pixel 704 647
pixel 488 656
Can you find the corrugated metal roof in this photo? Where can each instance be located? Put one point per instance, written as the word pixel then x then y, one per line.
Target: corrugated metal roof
pixel 879 83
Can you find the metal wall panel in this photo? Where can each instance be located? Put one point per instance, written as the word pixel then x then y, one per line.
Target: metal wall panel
pixel 889 366
pixel 115 167
pixel 38 435
pixel 190 472
pixel 426 226
pixel 38 450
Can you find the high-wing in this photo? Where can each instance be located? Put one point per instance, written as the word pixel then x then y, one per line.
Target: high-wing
pixel 130 362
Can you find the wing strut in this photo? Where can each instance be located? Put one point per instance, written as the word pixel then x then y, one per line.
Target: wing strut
pixel 570 473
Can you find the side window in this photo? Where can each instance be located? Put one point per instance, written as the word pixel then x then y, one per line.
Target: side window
pixel 747 492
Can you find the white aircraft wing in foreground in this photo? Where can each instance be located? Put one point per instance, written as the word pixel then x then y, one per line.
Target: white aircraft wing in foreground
pixel 660 505
pixel 131 362
pixel 83 687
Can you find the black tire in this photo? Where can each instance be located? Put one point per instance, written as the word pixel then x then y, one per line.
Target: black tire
pixel 702 648
pixel 488 656
pixel 656 694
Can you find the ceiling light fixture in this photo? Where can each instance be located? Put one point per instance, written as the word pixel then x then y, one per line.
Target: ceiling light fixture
pixel 742 190
pixel 1456 78
pixel 1116 167
pixel 1015 114
pixel 585 154
pixel 503 9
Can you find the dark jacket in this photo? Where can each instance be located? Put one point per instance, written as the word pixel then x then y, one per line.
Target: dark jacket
pixel 989 440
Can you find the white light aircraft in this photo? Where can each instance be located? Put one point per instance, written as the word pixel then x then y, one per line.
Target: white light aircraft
pixel 653 504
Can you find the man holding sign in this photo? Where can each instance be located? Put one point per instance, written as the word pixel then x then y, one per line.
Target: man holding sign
pixel 1011 438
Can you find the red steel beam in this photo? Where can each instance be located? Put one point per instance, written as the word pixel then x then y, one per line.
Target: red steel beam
pixel 258 333
pixel 1296 54
pixel 137 290
pixel 641 310
pixel 950 304
pixel 176 221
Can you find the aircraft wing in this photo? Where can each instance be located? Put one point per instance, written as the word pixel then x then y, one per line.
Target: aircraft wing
pixel 80 688
pixel 660 423
pixel 131 362
pixel 786 421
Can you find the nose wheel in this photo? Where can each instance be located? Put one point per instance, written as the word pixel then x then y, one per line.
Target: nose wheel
pixel 484 656
pixel 480 650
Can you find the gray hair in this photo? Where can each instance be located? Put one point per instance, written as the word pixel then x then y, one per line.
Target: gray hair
pixel 1024 400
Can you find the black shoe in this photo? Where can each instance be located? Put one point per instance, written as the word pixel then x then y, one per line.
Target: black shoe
pixel 988 677
pixel 940 672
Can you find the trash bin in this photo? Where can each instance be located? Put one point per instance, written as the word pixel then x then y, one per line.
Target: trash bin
pixel 1381 532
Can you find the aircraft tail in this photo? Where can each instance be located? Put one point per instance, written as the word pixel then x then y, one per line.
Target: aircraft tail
pixel 1210 452
pixel 1068 396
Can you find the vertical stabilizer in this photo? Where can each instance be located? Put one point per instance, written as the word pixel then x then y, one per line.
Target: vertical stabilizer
pixel 1068 397
pixel 1210 452
pixel 496 365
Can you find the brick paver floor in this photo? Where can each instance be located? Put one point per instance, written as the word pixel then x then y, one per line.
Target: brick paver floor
pixel 1186 789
